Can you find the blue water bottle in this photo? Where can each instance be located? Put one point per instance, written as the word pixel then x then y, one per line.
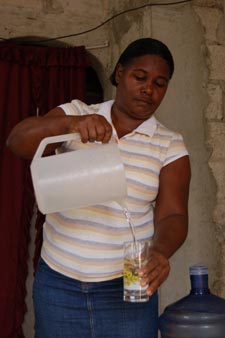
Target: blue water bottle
pixel 198 315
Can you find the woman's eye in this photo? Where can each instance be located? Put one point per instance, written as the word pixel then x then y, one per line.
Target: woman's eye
pixel 160 84
pixel 139 78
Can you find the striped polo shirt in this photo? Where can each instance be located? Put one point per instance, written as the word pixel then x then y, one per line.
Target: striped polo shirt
pixel 87 243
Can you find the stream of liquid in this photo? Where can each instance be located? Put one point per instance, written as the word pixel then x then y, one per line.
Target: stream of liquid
pixel 128 218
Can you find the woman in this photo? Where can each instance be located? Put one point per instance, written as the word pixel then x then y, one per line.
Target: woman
pixel 78 285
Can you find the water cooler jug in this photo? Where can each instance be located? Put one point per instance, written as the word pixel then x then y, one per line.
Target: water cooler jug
pixel 198 315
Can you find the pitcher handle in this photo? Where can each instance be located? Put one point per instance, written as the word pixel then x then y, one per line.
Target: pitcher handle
pixel 54 139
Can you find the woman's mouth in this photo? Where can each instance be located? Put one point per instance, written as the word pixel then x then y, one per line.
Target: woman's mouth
pixel 145 102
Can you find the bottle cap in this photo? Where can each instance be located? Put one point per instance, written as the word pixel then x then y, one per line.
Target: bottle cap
pixel 197 270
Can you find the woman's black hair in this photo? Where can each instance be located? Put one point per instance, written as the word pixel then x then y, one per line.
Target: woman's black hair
pixel 142 47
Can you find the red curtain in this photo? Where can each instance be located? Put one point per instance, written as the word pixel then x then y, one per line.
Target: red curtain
pixel 31 77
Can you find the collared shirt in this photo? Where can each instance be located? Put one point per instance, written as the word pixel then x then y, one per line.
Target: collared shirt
pixel 87 243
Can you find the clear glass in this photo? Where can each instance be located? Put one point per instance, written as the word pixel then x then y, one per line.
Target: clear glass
pixel 135 257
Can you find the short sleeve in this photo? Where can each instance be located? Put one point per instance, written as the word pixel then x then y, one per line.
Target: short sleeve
pixel 77 107
pixel 176 149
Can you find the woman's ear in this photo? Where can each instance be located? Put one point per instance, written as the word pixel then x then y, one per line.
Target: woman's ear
pixel 119 72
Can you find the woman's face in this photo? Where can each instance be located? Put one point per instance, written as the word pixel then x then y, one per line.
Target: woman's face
pixel 142 85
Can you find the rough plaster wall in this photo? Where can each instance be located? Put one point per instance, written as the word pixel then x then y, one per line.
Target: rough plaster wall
pixel 186 101
pixel 212 19
pixel 49 17
pixel 193 105
pixel 191 88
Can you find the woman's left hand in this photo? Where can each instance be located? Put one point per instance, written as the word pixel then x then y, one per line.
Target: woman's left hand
pixel 155 272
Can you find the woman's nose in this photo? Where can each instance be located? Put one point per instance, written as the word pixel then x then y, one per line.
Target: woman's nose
pixel 148 88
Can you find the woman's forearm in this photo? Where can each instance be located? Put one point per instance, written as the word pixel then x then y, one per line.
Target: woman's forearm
pixel 170 233
pixel 26 136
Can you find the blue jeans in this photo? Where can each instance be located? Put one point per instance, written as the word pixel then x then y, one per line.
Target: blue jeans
pixel 67 308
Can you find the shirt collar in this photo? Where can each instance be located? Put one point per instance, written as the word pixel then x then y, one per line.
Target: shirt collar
pixel 148 127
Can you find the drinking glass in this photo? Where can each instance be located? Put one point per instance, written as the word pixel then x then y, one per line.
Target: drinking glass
pixel 135 257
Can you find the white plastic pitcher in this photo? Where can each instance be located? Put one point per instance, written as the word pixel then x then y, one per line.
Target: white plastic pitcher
pixel 77 178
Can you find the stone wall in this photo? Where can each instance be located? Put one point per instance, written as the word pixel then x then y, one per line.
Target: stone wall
pixel 212 17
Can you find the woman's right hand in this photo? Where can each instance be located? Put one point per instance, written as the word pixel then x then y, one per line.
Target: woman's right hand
pixel 91 128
